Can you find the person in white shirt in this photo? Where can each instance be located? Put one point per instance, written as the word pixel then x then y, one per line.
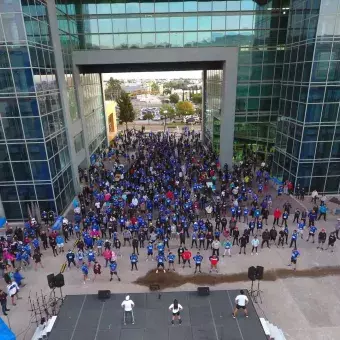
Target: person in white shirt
pixel 12 291
pixel 97 205
pixel 255 243
pixel 128 305
pixel 176 308
pixel 315 195
pixel 241 303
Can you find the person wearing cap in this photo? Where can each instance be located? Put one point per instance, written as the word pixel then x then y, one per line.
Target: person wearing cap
pixel 128 305
pixel 321 238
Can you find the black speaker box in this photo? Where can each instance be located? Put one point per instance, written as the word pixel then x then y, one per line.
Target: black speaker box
pixel 104 294
pixel 59 281
pixel 252 273
pixel 259 273
pixel 203 291
pixel 50 280
pixel 154 287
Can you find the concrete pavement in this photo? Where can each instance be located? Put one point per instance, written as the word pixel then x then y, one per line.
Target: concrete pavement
pixel 302 307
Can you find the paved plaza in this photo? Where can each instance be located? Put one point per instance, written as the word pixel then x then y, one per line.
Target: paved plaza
pixel 303 307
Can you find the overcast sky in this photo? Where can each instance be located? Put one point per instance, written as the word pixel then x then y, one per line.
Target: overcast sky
pixel 154 75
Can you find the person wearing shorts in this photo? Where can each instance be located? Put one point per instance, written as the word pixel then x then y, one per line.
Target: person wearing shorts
pixel 12 291
pixel 293 258
pixel 160 262
pixel 149 249
pixel 60 243
pixel 96 269
pixel 241 301
pixel 113 270
pixel 176 308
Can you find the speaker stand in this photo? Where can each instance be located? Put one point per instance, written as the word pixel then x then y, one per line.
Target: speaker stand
pixel 256 293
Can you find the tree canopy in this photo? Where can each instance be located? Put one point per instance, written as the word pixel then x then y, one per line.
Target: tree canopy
pixel 167 111
pixel 126 112
pixel 113 89
pixel 148 116
pixel 185 108
pixel 174 98
pixel 154 88
pixel 196 98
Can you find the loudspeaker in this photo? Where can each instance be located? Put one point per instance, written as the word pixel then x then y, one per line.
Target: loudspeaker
pixel 259 273
pixel 203 291
pixel 252 273
pixel 104 294
pixel 59 281
pixel 50 280
pixel 154 287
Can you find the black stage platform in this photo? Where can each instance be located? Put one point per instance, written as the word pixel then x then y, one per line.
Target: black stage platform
pixel 84 317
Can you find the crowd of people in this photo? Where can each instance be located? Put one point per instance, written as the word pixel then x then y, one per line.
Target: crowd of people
pixel 169 199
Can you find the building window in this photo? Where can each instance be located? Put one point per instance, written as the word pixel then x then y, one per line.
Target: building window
pixel 78 142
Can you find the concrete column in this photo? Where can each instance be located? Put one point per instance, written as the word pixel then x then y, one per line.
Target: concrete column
pixel 52 17
pixel 105 116
pixel 204 100
pixel 228 103
pixel 80 102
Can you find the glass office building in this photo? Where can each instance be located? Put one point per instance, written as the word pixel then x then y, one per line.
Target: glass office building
pixel 52 116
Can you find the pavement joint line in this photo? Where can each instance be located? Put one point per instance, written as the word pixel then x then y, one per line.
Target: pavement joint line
pixel 299 202
pixel 100 318
pixel 232 306
pixel 76 324
pixel 213 319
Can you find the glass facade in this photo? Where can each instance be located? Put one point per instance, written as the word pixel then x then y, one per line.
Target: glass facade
pixel 287 96
pixel 308 131
pixel 94 111
pixel 34 157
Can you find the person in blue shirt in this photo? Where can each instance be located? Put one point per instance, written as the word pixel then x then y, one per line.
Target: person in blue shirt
pixel 70 256
pixel 194 239
pixel 149 249
pixel 312 231
pixel 322 212
pixel 160 248
pixel 171 261
pixel 91 256
pixel 36 244
pixel 259 226
pixel 60 243
pixel 18 278
pixel 85 271
pixel 301 227
pixel 160 262
pixel 77 230
pixel 293 239
pixel 113 270
pixel 284 218
pixel 100 243
pixel 134 261
pixel 257 213
pixel 198 258
pixel 227 248
pixel 294 257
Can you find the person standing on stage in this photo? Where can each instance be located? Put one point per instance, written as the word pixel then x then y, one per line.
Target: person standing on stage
pixel 128 305
pixel 176 308
pixel 241 301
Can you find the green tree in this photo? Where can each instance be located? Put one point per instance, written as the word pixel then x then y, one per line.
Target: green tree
pixel 113 89
pixel 167 92
pixel 196 98
pixel 148 116
pixel 154 87
pixel 185 108
pixel 174 98
pixel 168 112
pixel 126 112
